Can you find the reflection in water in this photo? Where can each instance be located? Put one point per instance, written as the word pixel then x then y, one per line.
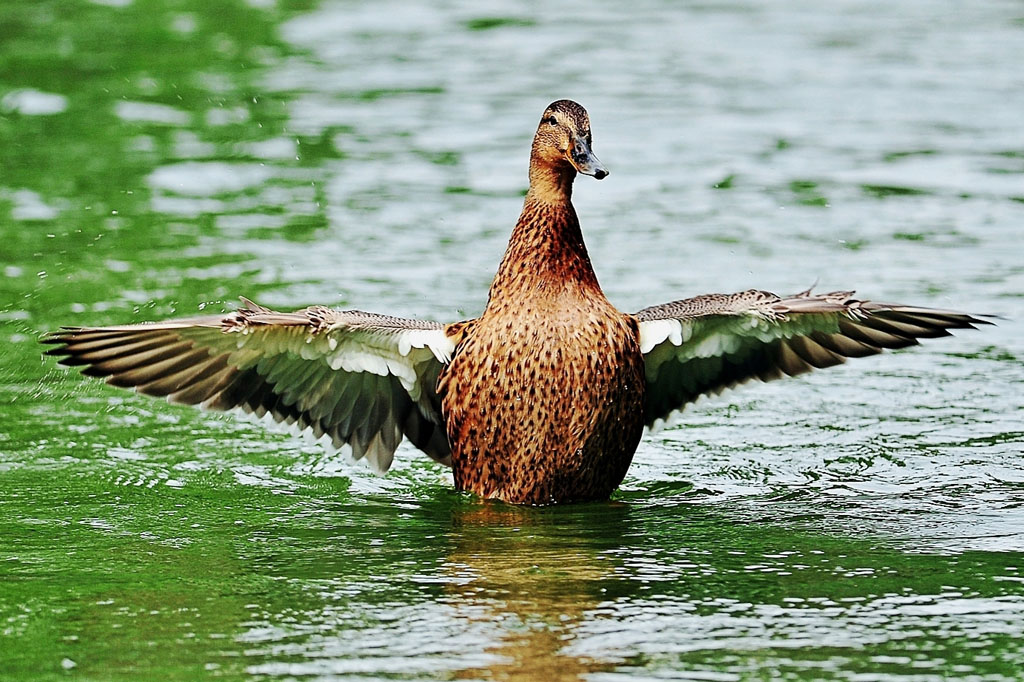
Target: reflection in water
pixel 482 590
pixel 535 572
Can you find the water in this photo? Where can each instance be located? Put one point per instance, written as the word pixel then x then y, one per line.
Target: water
pixel 864 523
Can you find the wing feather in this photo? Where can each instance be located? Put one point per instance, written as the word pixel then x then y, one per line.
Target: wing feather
pixel 363 379
pixel 200 391
pixel 704 345
pixel 844 346
pixel 128 372
pixel 343 411
pixel 189 374
pixel 814 353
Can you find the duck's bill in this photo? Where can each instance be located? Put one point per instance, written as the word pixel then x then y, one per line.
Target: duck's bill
pixel 584 161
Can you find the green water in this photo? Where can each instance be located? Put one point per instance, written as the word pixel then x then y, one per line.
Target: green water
pixel 158 158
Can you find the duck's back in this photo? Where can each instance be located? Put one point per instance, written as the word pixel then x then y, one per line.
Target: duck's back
pixel 543 401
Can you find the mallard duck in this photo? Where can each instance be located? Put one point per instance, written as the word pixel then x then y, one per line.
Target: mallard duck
pixel 541 399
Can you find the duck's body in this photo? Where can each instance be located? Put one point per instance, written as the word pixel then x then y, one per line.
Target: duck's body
pixel 549 344
pixel 541 399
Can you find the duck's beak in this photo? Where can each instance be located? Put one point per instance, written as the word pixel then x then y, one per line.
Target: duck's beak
pixel 583 160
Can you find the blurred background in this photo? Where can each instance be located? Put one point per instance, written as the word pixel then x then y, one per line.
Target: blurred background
pixel 162 158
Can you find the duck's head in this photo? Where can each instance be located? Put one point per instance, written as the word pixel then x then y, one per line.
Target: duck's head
pixel 563 140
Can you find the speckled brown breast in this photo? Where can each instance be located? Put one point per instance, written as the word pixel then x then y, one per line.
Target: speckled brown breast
pixel 543 399
pixel 545 405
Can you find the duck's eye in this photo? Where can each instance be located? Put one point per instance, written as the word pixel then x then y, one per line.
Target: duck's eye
pixel 550 120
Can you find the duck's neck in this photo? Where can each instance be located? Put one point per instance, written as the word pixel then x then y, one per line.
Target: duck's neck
pixel 546 254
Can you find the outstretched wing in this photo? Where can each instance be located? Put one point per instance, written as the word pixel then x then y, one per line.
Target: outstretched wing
pixel 361 379
pixel 707 344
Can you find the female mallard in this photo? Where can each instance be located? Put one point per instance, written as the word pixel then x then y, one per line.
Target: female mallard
pixel 543 398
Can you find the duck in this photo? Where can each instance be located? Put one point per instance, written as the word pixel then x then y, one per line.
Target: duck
pixel 544 397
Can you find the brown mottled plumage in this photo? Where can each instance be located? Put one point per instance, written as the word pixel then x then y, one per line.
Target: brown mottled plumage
pixel 548 344
pixel 541 399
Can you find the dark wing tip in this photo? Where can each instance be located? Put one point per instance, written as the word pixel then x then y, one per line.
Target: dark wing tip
pixel 60 340
pixel 60 352
pixel 984 318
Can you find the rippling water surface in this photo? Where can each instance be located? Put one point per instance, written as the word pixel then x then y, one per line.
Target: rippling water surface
pixel 864 523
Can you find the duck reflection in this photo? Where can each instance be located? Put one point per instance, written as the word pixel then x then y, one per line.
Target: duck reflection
pixel 534 574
